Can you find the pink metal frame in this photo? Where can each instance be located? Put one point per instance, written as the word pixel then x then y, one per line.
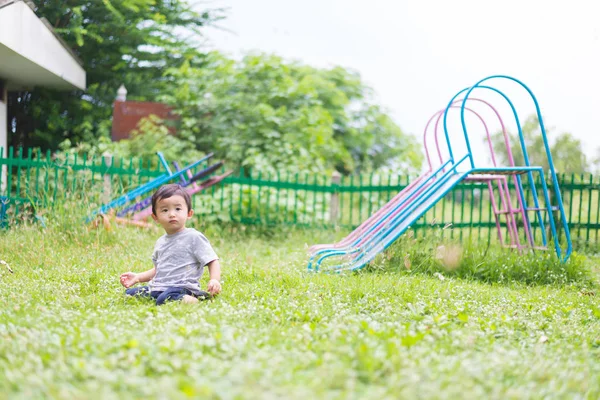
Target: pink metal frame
pixel 192 190
pixel 500 181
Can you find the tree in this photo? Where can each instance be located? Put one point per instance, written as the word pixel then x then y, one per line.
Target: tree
pixel 567 152
pixel 151 136
pixel 595 163
pixel 118 41
pixel 265 112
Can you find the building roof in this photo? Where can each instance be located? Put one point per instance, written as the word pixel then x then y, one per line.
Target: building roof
pixel 32 54
pixel 4 3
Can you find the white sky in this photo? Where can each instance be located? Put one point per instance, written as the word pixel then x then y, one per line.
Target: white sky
pixel 416 54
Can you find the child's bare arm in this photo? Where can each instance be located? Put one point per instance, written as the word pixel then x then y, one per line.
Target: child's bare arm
pixel 214 283
pixel 129 279
pixel 146 276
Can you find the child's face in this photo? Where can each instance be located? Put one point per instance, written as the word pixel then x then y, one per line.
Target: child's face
pixel 172 213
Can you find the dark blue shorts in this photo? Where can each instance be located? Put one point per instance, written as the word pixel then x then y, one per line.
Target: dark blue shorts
pixel 171 294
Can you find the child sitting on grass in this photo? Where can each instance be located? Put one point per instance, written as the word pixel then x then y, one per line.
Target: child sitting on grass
pixel 179 256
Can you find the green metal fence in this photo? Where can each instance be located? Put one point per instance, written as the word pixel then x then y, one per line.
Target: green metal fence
pixel 31 179
pixel 332 201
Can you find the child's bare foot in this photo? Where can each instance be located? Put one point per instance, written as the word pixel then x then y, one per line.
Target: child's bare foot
pixel 187 299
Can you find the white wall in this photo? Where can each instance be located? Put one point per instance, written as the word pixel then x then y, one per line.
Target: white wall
pixel 3 136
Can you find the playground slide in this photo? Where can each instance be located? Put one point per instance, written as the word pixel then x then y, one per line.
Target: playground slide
pixel 374 220
pixel 357 257
pixel 385 214
pixel 381 229
pixel 384 217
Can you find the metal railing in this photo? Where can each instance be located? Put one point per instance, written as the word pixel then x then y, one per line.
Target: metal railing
pixel 35 180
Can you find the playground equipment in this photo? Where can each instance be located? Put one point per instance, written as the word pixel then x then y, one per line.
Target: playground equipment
pixel 145 188
pixel 501 182
pixel 143 207
pixel 380 230
pixel 191 188
pixel 146 202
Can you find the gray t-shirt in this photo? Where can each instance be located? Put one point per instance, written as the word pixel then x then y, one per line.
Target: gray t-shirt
pixel 180 259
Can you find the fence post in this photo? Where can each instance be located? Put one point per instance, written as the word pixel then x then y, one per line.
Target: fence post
pixel 107 187
pixel 334 206
pixel 3 173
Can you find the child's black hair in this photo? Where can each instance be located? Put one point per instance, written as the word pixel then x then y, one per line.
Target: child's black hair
pixel 170 190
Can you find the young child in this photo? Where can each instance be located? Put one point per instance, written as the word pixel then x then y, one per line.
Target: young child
pixel 179 255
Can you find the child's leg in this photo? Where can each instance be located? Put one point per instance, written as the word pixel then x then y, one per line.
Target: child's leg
pixel 172 294
pixel 142 291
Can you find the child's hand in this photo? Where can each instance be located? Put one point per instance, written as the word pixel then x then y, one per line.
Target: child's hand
pixel 214 287
pixel 129 279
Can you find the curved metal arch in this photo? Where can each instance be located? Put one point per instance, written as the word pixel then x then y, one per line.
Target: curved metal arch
pixel 504 132
pixel 548 155
pixel 538 112
pixel 438 114
pixel 465 134
pixel 366 243
pixel 526 156
pixel 516 180
pixel 367 240
pixel 502 184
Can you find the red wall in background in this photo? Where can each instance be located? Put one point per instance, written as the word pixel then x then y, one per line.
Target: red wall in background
pixel 127 114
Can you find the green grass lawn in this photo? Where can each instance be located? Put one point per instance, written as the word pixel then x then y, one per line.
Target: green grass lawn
pixel 277 331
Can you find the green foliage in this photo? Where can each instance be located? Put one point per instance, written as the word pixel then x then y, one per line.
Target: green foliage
pixel 261 112
pixel 567 152
pixel 145 141
pixel 435 255
pixel 275 115
pixel 118 41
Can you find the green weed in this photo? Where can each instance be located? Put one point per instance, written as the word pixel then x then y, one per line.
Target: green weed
pixel 493 330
